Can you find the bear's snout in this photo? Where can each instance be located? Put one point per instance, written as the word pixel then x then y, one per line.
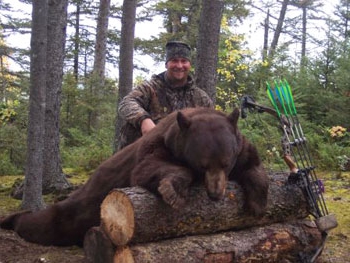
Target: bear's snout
pixel 215 182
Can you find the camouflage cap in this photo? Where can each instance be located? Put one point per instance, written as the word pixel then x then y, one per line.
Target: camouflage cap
pixel 177 49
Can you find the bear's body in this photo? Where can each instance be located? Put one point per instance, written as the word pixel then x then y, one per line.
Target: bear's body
pixel 191 146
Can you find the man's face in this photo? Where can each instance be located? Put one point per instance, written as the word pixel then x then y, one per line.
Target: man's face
pixel 178 69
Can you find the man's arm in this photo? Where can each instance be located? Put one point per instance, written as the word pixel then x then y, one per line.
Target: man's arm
pixel 147 125
pixel 133 107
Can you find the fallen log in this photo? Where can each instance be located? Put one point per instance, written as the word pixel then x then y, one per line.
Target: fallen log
pixel 98 248
pixel 133 215
pixel 274 243
pixel 280 242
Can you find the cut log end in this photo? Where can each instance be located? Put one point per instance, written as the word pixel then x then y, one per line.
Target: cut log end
pixel 117 217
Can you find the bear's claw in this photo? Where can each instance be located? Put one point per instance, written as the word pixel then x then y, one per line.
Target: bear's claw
pixel 170 196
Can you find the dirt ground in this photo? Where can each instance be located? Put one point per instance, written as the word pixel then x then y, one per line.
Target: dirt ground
pixel 13 249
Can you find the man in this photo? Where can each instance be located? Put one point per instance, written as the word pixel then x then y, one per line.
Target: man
pixel 171 90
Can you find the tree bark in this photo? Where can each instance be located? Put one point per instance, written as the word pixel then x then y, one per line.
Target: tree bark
pixel 98 247
pixel 278 30
pixel 101 41
pixel 274 243
pixel 126 64
pixel 208 46
pixel 266 35
pixel 98 74
pixel 280 242
pixel 135 215
pixel 53 176
pixel 32 194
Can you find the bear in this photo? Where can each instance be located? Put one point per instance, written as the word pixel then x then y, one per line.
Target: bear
pixel 190 146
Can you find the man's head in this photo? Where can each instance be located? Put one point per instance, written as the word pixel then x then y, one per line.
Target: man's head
pixel 178 62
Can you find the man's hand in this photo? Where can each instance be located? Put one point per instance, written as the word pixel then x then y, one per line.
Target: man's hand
pixel 147 125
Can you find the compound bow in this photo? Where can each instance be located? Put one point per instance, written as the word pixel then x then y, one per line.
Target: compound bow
pixel 282 101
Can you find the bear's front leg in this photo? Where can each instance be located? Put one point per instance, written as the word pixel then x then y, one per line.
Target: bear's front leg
pixel 255 184
pixel 163 178
pixel 174 188
pixel 250 174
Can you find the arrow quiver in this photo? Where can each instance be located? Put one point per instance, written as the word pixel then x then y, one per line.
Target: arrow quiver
pixel 281 98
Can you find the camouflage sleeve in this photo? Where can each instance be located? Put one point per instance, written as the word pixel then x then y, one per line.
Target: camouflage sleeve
pixel 203 99
pixel 133 107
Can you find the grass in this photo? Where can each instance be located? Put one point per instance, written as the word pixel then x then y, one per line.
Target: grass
pixel 9 204
pixel 337 197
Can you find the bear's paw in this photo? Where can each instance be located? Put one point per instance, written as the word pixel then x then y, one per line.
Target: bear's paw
pixel 169 195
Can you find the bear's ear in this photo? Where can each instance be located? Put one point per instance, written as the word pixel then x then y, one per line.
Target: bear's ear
pixel 233 117
pixel 183 121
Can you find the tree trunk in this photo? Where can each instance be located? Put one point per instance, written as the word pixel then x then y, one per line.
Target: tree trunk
pixel 76 42
pixel 175 18
pixel 126 52
pixel 135 215
pixel 266 35
pixel 280 242
pixel 32 195
pixel 208 46
pixel 101 40
pixel 303 39
pixel 53 177
pixel 278 30
pixel 98 75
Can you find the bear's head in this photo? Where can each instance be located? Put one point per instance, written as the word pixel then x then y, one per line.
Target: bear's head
pixel 209 142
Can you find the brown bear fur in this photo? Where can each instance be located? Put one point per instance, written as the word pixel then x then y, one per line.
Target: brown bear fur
pixel 191 146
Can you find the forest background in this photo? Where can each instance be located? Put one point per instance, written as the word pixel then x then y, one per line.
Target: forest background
pixel 298 41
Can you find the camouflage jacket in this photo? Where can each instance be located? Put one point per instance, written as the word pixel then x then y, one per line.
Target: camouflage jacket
pixel 155 99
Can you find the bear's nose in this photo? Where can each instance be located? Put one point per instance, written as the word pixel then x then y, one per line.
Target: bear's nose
pixel 216 196
pixel 215 182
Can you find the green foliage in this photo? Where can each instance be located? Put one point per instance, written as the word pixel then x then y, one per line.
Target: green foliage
pixel 327 151
pixel 262 130
pixel 330 155
pixel 13 148
pixel 333 148
pixel 86 151
pixel 81 101
pixel 7 203
pixel 7 114
pixel 235 69
pixel 7 167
